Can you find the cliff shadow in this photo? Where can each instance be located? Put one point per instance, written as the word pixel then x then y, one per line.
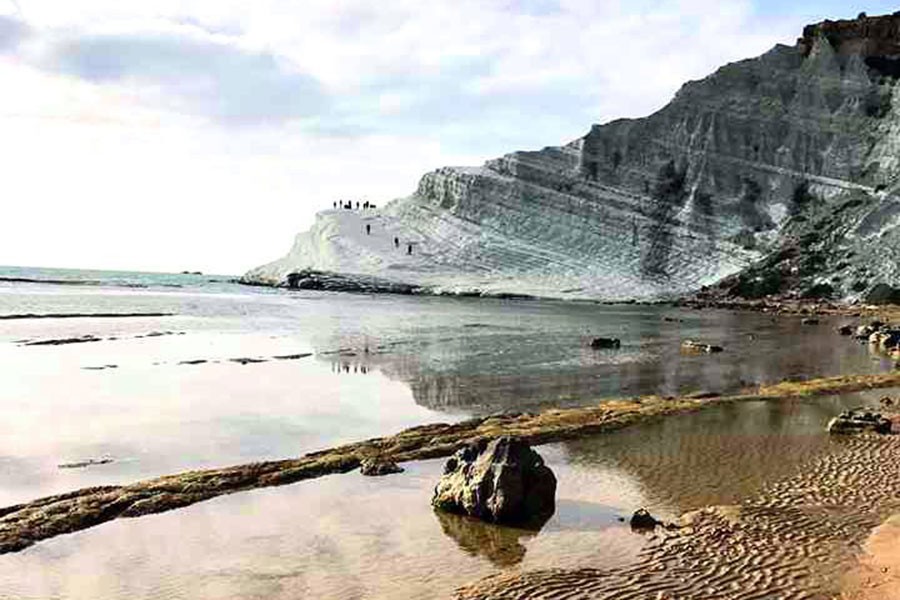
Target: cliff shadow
pixel 669 196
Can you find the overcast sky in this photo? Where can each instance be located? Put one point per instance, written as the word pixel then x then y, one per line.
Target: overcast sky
pixel 203 134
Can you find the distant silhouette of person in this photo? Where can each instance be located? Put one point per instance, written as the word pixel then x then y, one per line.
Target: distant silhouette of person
pixel 396 242
pixel 349 205
pixel 334 205
pixel 409 248
pixel 366 204
pixel 368 229
pixel 357 205
pixel 371 206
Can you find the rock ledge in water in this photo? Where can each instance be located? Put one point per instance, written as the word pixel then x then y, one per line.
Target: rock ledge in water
pixel 501 481
pixel 692 347
pixel 859 421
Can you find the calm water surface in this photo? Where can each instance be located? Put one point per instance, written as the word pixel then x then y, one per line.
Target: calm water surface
pixel 348 536
pixel 377 364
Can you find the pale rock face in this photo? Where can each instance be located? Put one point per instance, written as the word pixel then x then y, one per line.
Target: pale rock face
pixel 738 165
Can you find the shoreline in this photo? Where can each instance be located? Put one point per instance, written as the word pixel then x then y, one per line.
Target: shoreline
pixel 25 524
pixel 776 305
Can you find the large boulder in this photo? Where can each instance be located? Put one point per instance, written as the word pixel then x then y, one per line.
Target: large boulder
pixel 501 481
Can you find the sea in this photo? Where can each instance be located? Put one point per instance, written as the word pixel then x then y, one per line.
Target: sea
pixel 113 377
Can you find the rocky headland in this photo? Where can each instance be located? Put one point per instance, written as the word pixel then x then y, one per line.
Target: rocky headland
pixel 773 176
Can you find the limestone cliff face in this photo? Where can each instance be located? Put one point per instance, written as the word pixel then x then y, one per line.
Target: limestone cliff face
pixel 741 166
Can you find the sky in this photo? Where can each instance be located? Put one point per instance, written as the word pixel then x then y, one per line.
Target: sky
pixel 204 134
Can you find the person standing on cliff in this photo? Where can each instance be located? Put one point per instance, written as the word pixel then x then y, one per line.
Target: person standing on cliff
pixel 396 242
pixel 368 229
pixel 409 248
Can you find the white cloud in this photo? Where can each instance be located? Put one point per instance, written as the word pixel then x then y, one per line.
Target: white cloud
pixel 203 134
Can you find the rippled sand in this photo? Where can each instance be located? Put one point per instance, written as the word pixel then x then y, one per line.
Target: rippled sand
pixel 793 540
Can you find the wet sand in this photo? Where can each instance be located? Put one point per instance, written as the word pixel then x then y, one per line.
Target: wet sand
pixel 793 540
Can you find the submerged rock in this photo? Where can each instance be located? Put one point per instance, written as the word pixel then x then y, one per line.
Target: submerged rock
pixel 377 466
pixel 605 343
pixel 501 481
pixel 859 421
pixel 845 330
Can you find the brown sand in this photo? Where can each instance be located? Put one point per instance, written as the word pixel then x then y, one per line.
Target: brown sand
pixel 877 575
pixel 791 541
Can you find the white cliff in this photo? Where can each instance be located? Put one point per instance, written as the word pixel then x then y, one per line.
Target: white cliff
pixel 737 167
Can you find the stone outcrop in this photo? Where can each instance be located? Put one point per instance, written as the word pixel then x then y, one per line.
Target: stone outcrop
pixel 499 481
pixel 859 421
pixel 776 173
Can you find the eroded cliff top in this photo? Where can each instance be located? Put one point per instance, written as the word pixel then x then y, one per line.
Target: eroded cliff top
pixel 867 36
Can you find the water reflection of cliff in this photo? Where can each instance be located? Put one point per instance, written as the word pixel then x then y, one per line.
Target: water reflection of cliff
pixel 494 367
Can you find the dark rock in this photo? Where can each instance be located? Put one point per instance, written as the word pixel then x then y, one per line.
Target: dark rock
pixel 700 395
pixel 859 421
pixel 809 321
pixel 692 347
pixel 604 343
pixel 845 330
pixel 883 294
pixel 310 279
pixel 643 520
pixel 377 466
pixel 86 463
pixel 62 341
pixel 292 356
pixel 247 361
pixel 501 481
